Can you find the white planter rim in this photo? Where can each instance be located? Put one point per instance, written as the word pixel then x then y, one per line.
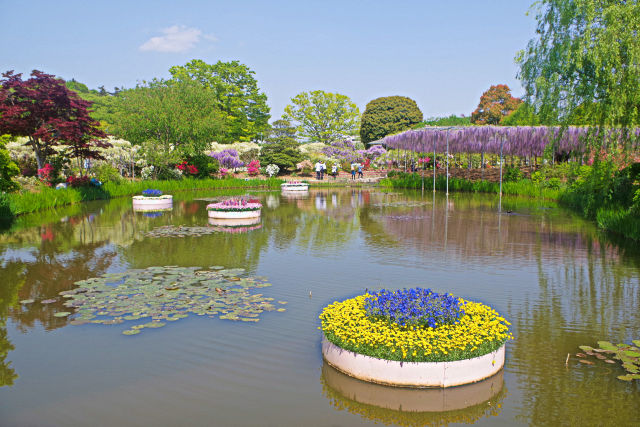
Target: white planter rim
pixel 163 197
pixel 231 214
pixel 413 374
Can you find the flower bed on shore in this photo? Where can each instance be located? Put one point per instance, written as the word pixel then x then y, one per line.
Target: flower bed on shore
pixel 234 205
pixel 414 325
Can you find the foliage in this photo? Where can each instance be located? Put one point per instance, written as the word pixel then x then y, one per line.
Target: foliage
pixel 451 120
pixel 387 115
pixel 8 169
pixel 305 167
pixel 103 103
pixel 512 174
pixel 323 116
pixel 78 181
pixel 414 307
pixel 272 170
pixel 627 354
pixel 479 331
pixel 234 91
pixel 281 132
pixel 524 115
pixel 206 166
pixel 495 104
pixel 285 155
pixel 48 114
pixel 178 116
pixel 585 56
pixel 227 158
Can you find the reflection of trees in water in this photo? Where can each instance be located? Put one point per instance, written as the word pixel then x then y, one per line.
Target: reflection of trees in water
pixel 587 296
pixel 12 282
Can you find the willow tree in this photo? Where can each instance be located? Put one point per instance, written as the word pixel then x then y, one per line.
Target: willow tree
pixel 585 59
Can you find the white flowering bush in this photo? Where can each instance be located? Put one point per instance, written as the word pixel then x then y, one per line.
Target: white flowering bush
pixel 272 170
pixel 147 172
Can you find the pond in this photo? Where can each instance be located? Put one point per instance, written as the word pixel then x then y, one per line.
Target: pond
pixel 558 281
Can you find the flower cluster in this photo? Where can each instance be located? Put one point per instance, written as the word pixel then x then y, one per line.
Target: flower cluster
pixel 344 151
pixel 272 170
pixel 253 168
pixel 235 205
pixel 184 167
pixel 152 193
pixel 78 181
pixel 294 183
pixel 416 306
pixel 480 330
pixel 228 158
pixel 46 174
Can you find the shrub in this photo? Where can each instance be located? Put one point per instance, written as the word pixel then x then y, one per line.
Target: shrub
pixel 78 181
pixel 253 168
pixel 388 115
pixel 207 166
pixel 511 174
pixel 272 170
pixel 285 155
pixel 106 173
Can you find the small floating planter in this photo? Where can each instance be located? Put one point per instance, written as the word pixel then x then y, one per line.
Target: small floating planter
pixel 414 338
pixel 294 186
pixel 152 200
pixel 234 209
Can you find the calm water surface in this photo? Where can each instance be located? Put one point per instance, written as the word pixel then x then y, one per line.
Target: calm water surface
pixel 559 281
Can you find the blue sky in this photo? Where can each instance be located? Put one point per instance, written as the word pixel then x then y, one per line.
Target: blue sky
pixel 443 54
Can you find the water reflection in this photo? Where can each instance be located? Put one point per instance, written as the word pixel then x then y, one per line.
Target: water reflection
pixel 414 407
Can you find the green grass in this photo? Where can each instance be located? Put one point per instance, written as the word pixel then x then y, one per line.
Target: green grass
pixel 619 221
pixel 524 187
pixel 15 204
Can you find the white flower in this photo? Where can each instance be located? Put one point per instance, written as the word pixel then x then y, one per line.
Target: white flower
pixel 272 170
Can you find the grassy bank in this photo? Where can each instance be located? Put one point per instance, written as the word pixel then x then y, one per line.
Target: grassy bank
pixel 523 187
pixel 12 205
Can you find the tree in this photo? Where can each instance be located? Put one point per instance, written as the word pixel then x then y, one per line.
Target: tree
pixel 103 104
pixel 236 93
pixel 524 115
pixel 388 115
pixel 495 103
pixel 585 56
pixel 178 116
pixel 8 169
pixel 284 154
pixel 323 116
pixel 45 111
pixel 452 120
pixel 281 131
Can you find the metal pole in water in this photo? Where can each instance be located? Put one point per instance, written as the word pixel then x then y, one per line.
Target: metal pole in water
pixel 501 161
pixel 434 165
pixel 447 162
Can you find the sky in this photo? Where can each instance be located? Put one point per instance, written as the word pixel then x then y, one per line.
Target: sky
pixel 442 54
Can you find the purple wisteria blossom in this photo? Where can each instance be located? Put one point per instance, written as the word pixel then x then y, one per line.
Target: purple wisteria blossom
pixel 228 158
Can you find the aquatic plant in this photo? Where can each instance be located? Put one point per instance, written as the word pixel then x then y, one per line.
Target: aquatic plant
pixel 480 330
pixel 159 294
pixel 628 355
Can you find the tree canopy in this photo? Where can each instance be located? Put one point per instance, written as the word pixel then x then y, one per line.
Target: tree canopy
pixel 235 91
pixel 387 115
pixel 45 111
pixel 173 115
pixel 586 57
pixel 323 116
pixel 495 104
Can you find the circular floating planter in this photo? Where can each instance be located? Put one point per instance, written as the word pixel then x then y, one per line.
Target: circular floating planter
pixel 234 209
pixel 234 222
pixel 412 400
pixel 414 338
pixel 413 374
pixel 145 204
pixel 294 186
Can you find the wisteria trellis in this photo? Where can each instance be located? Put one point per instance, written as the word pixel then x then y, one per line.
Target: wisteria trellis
pixel 519 140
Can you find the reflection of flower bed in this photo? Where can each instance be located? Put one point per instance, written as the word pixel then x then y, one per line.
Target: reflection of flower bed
pixel 403 204
pixel 236 228
pixel 479 330
pixel 391 416
pixel 153 214
pixel 170 293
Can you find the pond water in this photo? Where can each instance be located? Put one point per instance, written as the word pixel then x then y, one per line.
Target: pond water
pixel 559 281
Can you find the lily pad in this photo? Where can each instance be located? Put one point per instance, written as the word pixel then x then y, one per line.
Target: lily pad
pixel 62 314
pixel 27 301
pixel 585 348
pixel 606 345
pixel 48 301
pixel 586 362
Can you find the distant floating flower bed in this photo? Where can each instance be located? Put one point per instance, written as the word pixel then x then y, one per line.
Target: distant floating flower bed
pixel 152 200
pixel 425 332
pixel 294 186
pixel 234 208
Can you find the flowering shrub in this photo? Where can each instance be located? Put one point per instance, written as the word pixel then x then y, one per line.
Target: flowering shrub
pixel 46 174
pixel 480 330
pixel 152 193
pixel 187 169
pixel 272 170
pixel 344 151
pixel 253 168
pixel 78 181
pixel 147 172
pixel 235 205
pixel 414 307
pixel 228 158
pixel 224 172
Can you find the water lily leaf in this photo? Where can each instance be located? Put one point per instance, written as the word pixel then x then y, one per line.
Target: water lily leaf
pixel 282 302
pixel 627 377
pixel 601 357
pixel 586 362
pixel 48 301
pixel 636 342
pixel 281 309
pixel 609 361
pixel 631 353
pixel 581 355
pixel 629 367
pixel 62 314
pixel 27 301
pixel 131 332
pixel 585 348
pixel 606 345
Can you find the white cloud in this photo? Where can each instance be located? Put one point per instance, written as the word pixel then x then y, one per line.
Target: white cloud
pixel 175 39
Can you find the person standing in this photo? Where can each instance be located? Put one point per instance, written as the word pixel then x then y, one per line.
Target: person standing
pixel 318 168
pixel 323 170
pixel 334 170
pixel 360 175
pixel 353 171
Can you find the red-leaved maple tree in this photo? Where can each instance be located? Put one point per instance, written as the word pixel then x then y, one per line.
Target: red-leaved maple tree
pixel 495 103
pixel 48 114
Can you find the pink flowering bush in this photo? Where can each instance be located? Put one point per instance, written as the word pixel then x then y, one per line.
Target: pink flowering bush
pixel 253 168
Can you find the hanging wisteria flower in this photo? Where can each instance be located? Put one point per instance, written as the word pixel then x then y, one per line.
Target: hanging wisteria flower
pixel 152 193
pixel 235 205
pixel 228 158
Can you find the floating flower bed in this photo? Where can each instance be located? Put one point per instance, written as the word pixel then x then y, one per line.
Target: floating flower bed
pixel 425 332
pixel 294 186
pixel 234 208
pixel 152 200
